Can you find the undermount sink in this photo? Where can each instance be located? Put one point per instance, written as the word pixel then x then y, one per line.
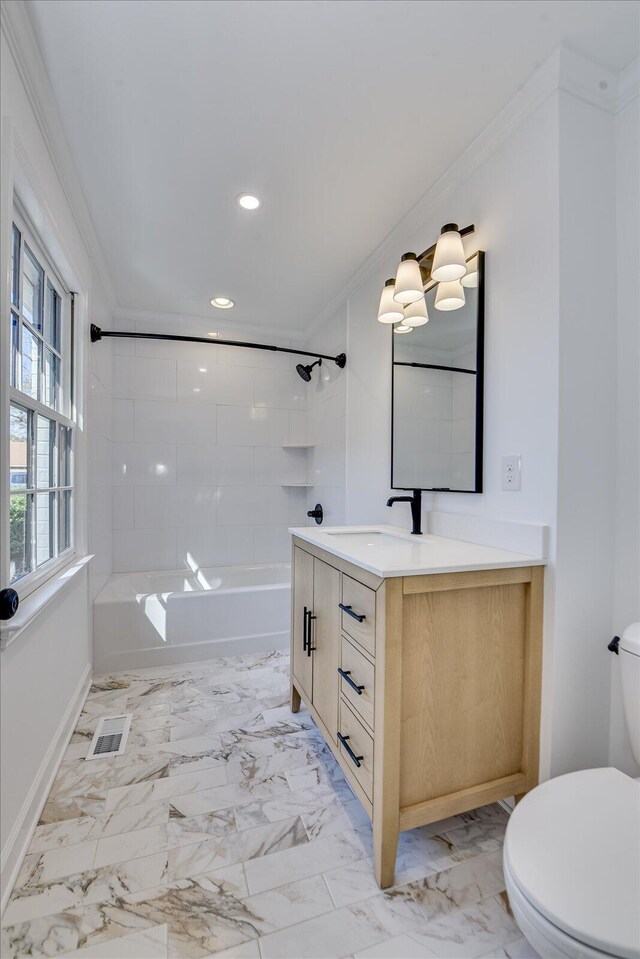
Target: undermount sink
pixel 371 538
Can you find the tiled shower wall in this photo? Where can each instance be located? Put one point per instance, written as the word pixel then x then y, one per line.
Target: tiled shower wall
pixel 326 422
pixel 199 472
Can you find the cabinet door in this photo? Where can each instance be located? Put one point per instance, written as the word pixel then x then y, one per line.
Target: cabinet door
pixel 301 657
pixel 325 638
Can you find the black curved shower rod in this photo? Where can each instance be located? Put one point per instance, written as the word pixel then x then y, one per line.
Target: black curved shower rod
pixel 98 334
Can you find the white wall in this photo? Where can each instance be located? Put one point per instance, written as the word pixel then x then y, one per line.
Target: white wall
pixel 45 670
pixel 587 436
pixel 514 190
pixel 626 595
pixel 199 469
pixel 542 198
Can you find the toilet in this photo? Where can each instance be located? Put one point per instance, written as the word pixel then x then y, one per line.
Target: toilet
pixel 572 850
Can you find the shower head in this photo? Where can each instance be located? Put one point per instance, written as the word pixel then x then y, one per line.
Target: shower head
pixel 304 372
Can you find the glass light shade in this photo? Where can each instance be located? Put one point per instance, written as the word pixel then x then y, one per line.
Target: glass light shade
pixel 409 286
pixel 449 261
pixel 402 328
pixel 450 296
pixel 389 311
pixel 470 279
pixel 415 314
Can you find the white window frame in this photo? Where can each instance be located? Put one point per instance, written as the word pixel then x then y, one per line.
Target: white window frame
pixel 63 416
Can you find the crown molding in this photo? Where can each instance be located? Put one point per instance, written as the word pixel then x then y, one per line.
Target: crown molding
pixel 563 69
pixel 21 39
pixel 216 323
pixel 628 84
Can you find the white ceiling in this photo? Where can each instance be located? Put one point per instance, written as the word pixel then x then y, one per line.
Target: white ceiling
pixel 339 114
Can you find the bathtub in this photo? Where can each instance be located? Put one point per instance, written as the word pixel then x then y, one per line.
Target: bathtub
pixel 180 616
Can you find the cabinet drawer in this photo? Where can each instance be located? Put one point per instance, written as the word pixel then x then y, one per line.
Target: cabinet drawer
pixel 356 745
pixel 357 669
pixel 359 619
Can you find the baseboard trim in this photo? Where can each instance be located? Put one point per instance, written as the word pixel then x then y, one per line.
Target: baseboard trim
pixel 20 836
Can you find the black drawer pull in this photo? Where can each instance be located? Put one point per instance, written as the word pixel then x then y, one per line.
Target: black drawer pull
pixel 346 674
pixel 304 630
pixel 310 648
pixel 357 759
pixel 350 612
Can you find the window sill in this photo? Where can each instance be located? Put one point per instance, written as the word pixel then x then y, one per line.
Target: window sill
pixel 37 602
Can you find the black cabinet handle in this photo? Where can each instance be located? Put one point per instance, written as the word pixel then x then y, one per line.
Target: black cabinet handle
pixel 304 630
pixel 310 648
pixel 346 674
pixel 350 612
pixel 357 759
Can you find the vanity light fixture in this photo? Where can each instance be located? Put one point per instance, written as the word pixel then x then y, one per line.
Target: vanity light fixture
pixel 444 266
pixel 389 311
pixel 449 295
pixel 470 279
pixel 248 201
pixel 449 261
pixel 409 286
pixel 415 314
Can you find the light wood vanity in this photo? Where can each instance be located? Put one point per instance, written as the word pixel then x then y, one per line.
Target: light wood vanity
pixel 425 687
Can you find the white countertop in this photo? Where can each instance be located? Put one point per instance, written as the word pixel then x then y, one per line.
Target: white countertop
pixel 407 555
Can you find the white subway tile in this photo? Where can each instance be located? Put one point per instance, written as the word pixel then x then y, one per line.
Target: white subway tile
pixel 160 507
pixel 144 549
pixel 274 466
pixel 203 382
pixel 199 547
pixel 138 377
pixel 279 389
pixel 159 421
pixel 123 500
pixel 215 465
pixel 252 426
pixel 271 544
pixel 123 421
pixel 252 505
pixel 143 464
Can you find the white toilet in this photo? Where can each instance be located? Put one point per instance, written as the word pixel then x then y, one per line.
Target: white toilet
pixel 572 850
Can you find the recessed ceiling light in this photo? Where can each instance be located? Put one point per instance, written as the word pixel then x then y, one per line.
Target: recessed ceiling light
pixel 211 333
pixel 248 201
pixel 222 302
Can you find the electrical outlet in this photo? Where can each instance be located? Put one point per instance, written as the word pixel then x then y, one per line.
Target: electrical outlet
pixel 511 472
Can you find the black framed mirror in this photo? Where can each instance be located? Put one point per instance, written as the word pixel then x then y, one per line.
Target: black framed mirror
pixel 437 397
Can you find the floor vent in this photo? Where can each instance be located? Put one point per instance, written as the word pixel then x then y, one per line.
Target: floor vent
pixel 110 738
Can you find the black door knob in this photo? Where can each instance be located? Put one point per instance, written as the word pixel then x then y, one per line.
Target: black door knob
pixel 9 602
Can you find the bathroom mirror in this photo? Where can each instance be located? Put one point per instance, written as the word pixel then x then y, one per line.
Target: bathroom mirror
pixel 437 398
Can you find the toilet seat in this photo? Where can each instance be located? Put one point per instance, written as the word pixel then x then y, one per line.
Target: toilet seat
pixel 572 864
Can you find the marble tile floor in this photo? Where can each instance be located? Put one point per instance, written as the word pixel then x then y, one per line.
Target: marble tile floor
pixel 228 829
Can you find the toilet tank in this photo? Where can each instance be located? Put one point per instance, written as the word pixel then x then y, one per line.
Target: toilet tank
pixel 629 650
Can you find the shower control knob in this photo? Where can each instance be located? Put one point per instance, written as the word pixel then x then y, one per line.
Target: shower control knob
pixel 9 602
pixel 316 514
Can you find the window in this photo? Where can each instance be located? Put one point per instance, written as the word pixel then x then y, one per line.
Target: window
pixel 41 429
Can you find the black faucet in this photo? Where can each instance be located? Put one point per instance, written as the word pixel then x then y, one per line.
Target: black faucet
pixel 416 508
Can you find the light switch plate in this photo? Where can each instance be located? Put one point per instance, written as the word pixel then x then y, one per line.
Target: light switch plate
pixel 511 472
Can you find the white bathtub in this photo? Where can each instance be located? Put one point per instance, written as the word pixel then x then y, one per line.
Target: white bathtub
pixel 179 616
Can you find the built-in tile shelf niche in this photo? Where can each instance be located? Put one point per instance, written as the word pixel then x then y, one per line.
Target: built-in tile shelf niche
pixel 303 447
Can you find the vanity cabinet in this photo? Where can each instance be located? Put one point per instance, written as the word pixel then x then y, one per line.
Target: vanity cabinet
pixel 426 688
pixel 316 636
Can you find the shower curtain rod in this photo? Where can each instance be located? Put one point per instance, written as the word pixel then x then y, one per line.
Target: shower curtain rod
pixel 97 334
